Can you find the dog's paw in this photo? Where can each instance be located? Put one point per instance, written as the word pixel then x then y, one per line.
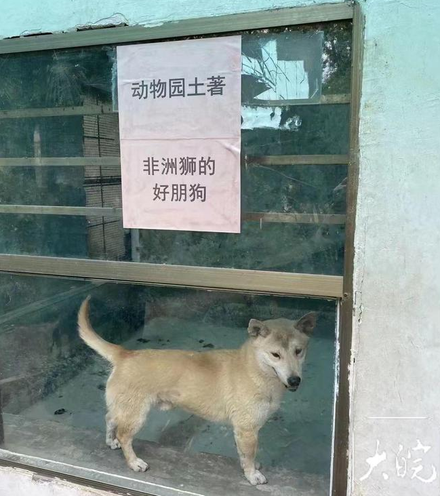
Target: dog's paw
pixel 256 477
pixel 115 444
pixel 139 465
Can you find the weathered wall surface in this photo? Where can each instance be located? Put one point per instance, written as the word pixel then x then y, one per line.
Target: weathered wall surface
pixel 397 266
pixel 47 16
pixel 395 401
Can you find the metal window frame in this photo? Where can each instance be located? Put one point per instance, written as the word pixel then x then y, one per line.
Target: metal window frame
pixel 337 287
pixel 271 160
pixel 291 16
pixel 116 213
pixel 108 109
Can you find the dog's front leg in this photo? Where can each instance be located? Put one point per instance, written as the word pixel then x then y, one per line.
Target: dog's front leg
pixel 247 443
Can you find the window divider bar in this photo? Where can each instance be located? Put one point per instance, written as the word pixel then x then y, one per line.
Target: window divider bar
pixel 294 218
pixel 61 210
pixel 297 160
pixel 56 111
pixel 61 162
pixel 340 468
pixel 114 212
pixel 316 285
pixel 27 113
pixel 331 99
pixel 272 160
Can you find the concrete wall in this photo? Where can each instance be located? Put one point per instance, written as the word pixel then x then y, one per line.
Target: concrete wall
pixel 395 402
pixel 47 16
pixel 397 267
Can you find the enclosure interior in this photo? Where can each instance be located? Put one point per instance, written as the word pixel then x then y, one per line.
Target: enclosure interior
pixel 59 147
pixel 54 406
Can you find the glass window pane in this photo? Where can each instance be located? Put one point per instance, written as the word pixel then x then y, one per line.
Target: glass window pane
pixel 91 186
pixel 318 248
pixel 265 188
pixel 64 236
pixel 295 130
pixel 295 94
pixel 60 136
pixel 59 78
pixel 52 387
pixel 261 246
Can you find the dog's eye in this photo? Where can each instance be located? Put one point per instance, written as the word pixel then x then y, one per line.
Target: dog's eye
pixel 298 351
pixel 276 355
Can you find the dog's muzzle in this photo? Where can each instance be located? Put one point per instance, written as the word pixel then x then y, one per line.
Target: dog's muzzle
pixel 293 383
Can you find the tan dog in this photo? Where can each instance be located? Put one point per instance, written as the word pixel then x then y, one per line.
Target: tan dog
pixel 242 387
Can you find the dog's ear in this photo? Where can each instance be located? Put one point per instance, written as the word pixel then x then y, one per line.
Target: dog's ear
pixel 258 328
pixel 307 323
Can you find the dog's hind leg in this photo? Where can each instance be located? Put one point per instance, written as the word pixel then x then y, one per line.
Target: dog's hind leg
pixel 128 425
pixel 110 437
pixel 247 442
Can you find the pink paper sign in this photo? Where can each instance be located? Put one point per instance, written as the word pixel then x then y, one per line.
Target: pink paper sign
pixel 180 119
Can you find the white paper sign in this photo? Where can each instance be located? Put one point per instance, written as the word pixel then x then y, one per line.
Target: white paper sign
pixel 180 120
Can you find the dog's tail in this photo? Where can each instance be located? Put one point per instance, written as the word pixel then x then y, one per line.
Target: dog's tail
pixel 107 350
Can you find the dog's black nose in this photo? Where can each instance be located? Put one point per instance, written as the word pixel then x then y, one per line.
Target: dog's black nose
pixel 294 381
